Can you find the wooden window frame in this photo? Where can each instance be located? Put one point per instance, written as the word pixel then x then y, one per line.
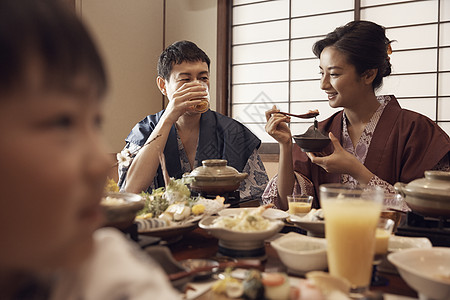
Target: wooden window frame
pixel 224 18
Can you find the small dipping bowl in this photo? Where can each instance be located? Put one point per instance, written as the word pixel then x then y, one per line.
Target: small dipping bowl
pixel 311 144
pixel 301 254
pixel 120 208
pixel 313 140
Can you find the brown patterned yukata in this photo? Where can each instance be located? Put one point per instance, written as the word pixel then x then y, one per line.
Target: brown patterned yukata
pixel 398 143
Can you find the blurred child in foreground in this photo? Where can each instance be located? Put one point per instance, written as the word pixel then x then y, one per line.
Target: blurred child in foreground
pixel 54 166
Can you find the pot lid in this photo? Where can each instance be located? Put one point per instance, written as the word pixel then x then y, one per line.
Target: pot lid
pixel 435 183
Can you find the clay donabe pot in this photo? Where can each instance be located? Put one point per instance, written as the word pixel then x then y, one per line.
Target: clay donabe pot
pixel 214 176
pixel 429 196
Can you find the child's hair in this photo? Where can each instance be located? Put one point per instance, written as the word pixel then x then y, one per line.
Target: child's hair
pixel 48 35
pixel 178 53
pixel 365 45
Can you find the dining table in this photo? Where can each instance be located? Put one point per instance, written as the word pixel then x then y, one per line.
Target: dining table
pixel 199 244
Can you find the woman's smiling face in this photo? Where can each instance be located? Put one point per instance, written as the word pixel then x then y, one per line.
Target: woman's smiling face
pixel 54 166
pixel 339 79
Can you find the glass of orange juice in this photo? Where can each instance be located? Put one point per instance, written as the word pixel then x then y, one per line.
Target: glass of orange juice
pixel 383 232
pixel 299 205
pixel 351 217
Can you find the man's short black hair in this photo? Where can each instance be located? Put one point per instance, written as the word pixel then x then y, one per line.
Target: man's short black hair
pixel 178 53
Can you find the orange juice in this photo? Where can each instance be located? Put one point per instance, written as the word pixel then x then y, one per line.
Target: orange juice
pixel 381 241
pixel 299 207
pixel 350 225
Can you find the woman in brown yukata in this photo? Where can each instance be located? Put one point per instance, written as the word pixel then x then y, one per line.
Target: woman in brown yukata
pixel 373 140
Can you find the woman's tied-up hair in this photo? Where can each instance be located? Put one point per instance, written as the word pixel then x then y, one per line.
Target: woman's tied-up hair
pixel 365 45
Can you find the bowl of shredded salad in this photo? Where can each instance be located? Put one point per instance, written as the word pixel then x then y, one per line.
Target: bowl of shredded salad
pixel 244 231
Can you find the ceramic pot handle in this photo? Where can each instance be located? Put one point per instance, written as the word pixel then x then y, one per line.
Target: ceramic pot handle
pixel 399 188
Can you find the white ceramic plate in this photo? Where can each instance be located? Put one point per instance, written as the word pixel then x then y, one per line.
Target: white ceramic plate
pixel 270 213
pixel 167 232
pixel 314 228
pixel 399 243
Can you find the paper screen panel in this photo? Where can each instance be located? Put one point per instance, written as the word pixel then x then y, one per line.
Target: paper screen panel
pixel 402 14
pixel 406 37
pixel 305 69
pixel 307 90
pixel 302 48
pixel 261 32
pixel 261 52
pixel 305 8
pixel 418 85
pixel 267 11
pixel 318 25
pixel 261 92
pixel 260 72
pixel 444 109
